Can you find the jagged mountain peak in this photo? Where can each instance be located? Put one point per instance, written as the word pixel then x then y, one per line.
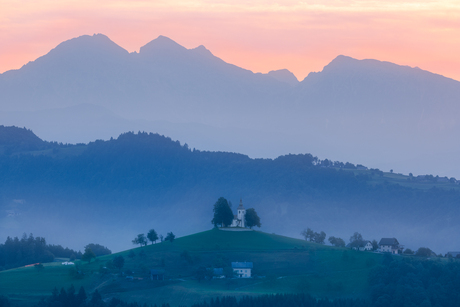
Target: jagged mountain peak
pixel 202 50
pixel 161 43
pixel 348 63
pixel 284 75
pixel 366 68
pixel 99 43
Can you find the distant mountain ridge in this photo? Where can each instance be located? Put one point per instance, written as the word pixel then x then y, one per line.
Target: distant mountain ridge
pixel 367 111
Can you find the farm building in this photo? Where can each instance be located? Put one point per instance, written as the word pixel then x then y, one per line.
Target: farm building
pixel 390 245
pixel 242 269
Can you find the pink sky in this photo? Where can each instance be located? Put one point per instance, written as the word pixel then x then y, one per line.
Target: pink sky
pixel 263 35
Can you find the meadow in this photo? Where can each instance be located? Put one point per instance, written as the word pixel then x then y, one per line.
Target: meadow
pixel 281 265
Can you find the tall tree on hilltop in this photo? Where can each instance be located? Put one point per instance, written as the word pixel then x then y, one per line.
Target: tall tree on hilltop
pixel 356 237
pixel 88 255
pixel 98 249
pixel 313 236
pixel 223 215
pixel 152 235
pixel 339 242
pixel 170 237
pixel 140 239
pixel 251 218
pixel 309 234
pixel 319 237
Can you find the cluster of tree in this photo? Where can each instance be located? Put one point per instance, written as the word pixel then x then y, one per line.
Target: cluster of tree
pixel 356 240
pixel 281 300
pixel 94 250
pixel 153 237
pixel 412 281
pixel 88 255
pixel 312 236
pixel 431 178
pixel 70 298
pixel 223 215
pixel 421 252
pixel 59 251
pixel 338 164
pixel 426 253
pixel 17 252
pixel 339 242
pixel 98 249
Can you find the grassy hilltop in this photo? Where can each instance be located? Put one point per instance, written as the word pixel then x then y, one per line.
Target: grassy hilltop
pixel 281 264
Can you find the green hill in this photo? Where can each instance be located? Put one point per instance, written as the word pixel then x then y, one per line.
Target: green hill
pixel 281 265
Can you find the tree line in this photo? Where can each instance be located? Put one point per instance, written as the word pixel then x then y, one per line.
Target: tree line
pixel 281 300
pixel 17 252
pixel 71 298
pixel 152 236
pixel 412 281
pixel 356 241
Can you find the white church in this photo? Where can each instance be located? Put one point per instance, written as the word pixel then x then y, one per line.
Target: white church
pixel 238 219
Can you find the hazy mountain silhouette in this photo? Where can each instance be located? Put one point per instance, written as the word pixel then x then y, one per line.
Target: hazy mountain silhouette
pixel 284 75
pixel 364 111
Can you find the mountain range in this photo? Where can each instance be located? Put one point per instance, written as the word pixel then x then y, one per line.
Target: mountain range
pixel 364 111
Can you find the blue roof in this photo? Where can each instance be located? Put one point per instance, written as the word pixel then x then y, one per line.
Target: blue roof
pixel 242 265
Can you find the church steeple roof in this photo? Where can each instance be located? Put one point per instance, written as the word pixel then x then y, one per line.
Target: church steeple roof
pixel 241 204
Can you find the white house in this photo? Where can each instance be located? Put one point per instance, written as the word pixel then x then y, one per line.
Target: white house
pixel 390 245
pixel 365 246
pixel 361 245
pixel 238 219
pixel 242 269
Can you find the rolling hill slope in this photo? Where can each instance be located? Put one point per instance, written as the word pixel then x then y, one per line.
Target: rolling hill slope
pixel 284 265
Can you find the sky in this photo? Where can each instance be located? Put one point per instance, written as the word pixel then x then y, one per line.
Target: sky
pixel 260 35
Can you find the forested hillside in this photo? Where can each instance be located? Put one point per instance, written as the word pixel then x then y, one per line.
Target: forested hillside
pixel 28 250
pixel 146 179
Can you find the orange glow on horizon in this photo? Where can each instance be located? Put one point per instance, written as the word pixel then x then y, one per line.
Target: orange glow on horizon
pixel 259 35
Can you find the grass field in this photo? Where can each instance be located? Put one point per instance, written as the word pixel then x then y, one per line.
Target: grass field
pixel 405 180
pixel 281 265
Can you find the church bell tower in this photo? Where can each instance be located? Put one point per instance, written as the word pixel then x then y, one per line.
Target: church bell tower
pixel 241 213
